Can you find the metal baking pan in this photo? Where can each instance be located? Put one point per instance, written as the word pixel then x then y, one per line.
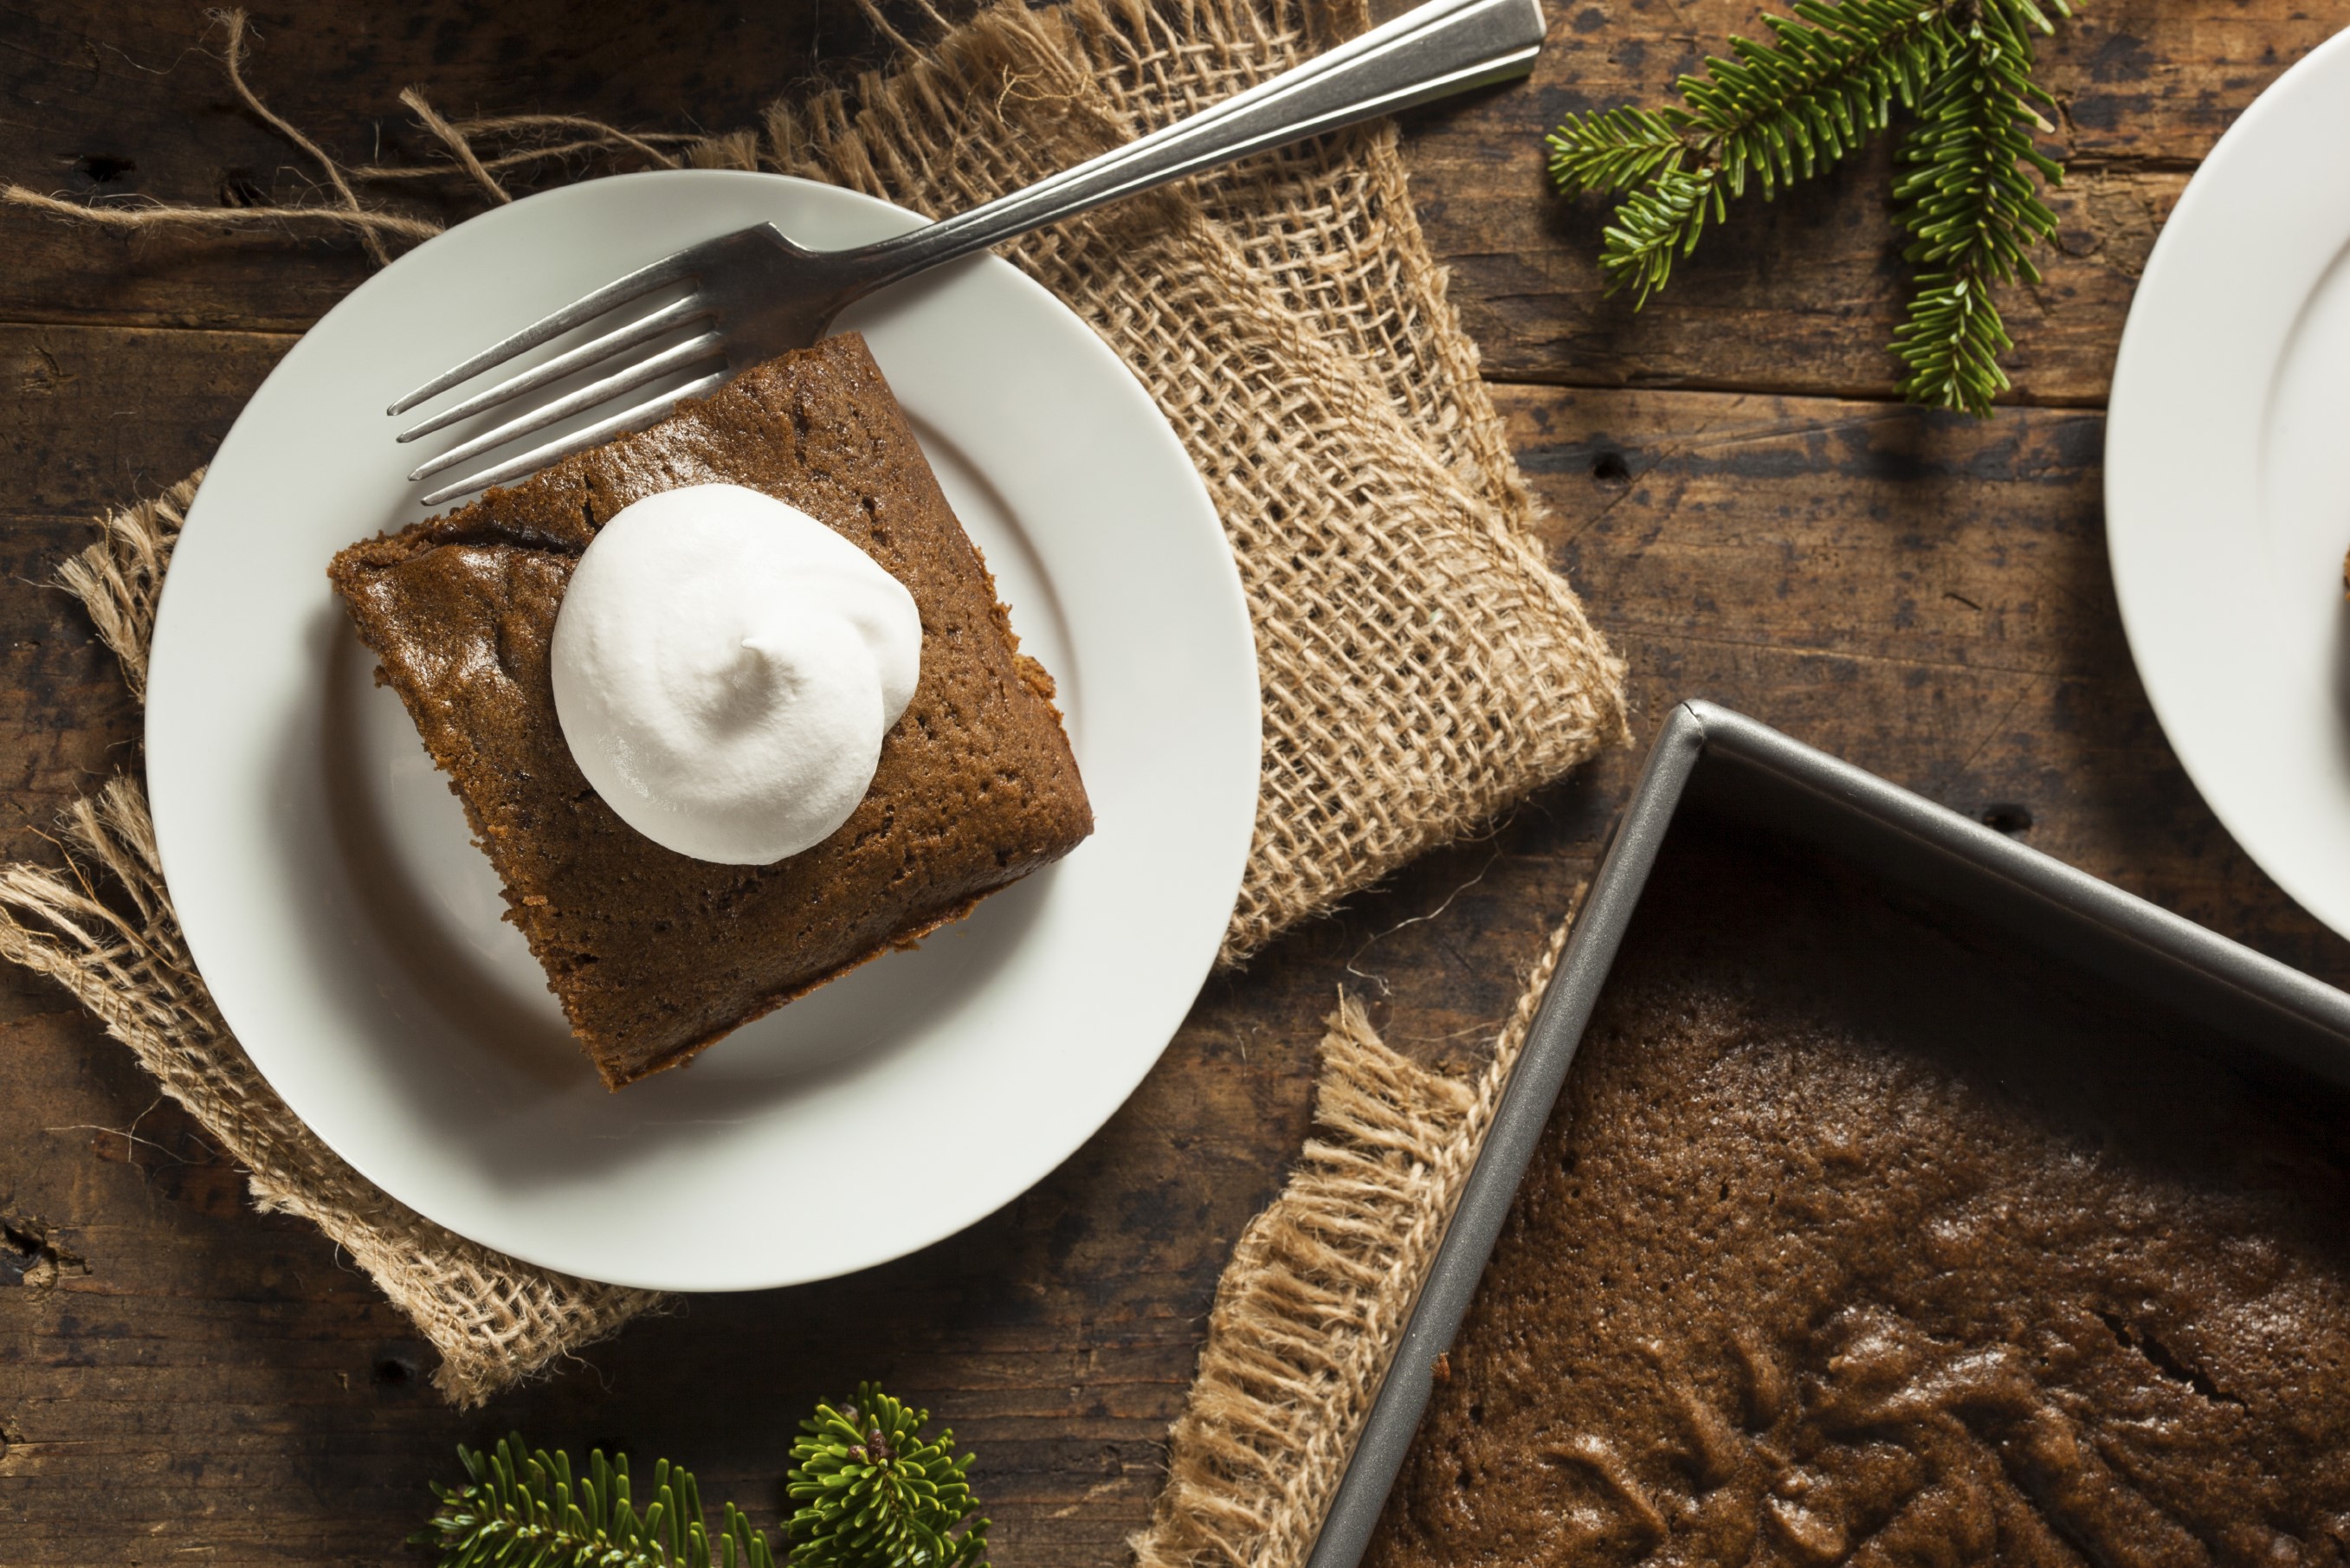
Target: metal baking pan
pixel 1712 762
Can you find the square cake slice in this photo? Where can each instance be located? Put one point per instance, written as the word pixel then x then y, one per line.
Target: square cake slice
pixel 654 954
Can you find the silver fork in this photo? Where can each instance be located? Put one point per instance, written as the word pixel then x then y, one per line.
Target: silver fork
pixel 753 293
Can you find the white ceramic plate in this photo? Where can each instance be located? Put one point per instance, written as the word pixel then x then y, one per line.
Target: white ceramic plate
pixel 2227 481
pixel 349 929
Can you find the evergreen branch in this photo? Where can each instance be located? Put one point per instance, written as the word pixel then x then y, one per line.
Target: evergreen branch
pixel 1614 150
pixel 1788 108
pixel 1661 224
pixel 1969 203
pixel 875 1492
pixel 1780 111
pixel 522 1509
pixel 1825 81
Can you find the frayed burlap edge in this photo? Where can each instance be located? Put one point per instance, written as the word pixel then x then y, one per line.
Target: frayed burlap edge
pixel 1316 1296
pixel 103 926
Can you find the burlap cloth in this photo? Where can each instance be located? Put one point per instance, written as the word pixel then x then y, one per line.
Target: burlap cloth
pixel 1421 666
pixel 1316 1296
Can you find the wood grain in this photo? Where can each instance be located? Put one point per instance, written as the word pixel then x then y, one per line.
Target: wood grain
pixel 182 1380
pixel 1919 593
pixel 1802 294
pixel 129 102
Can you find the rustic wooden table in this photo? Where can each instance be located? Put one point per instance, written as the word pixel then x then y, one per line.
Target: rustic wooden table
pixel 1747 511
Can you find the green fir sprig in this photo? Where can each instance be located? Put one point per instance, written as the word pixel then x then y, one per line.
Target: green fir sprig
pixel 524 1509
pixel 873 1489
pixel 875 1494
pixel 1828 79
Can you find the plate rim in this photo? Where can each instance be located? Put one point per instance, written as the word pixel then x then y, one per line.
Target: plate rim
pixel 174 622
pixel 2147 393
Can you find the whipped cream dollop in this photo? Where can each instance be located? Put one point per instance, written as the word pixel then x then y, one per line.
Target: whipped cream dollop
pixel 725 666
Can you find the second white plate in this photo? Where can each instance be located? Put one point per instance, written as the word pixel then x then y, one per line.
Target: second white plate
pixel 2227 481
pixel 349 931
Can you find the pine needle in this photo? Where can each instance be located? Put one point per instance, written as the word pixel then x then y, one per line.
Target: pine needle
pixel 874 1491
pixel 874 1494
pixel 1973 212
pixel 1827 81
pixel 524 1508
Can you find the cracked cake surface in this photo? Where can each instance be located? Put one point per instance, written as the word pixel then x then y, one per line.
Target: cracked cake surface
pixel 653 954
pixel 1847 1247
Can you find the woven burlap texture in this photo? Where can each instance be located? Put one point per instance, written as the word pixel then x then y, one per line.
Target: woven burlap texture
pixel 1421 666
pixel 1316 1296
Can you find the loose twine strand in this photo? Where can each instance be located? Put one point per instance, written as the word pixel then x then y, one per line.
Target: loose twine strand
pixel 233 59
pixel 458 146
pixel 348 213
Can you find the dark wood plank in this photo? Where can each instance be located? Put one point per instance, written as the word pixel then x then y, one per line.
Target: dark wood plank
pixel 130 100
pixel 99 415
pixel 68 722
pixel 96 415
pixel 1802 294
pixel 1921 594
pixel 1798 297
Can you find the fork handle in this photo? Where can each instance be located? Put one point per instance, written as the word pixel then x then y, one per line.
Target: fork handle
pixel 1435 49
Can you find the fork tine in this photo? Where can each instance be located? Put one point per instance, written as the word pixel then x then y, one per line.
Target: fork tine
pixel 643 281
pixel 644 330
pixel 692 350
pixel 565 446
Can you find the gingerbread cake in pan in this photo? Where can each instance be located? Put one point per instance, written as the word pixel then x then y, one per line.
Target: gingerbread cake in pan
pixel 1853 1240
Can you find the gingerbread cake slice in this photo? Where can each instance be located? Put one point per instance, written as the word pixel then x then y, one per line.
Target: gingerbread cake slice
pixel 654 954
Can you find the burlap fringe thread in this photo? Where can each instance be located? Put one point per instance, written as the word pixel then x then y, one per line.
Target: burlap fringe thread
pixel 1421 666
pixel 103 928
pixel 1317 1294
